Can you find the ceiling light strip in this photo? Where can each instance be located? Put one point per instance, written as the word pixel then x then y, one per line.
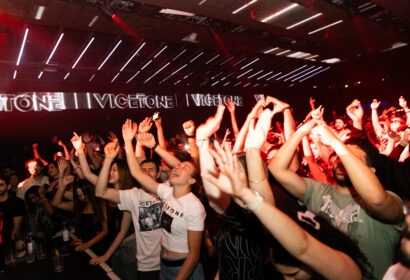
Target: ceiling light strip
pixel 324 27
pixel 303 21
pixel 192 60
pixel 179 55
pixel 92 77
pixel 93 21
pixel 109 55
pixel 55 47
pixel 176 71
pixel 239 61
pixel 14 74
pixel 135 75
pixel 288 8
pixel 252 62
pixel 297 74
pixel 82 53
pixel 212 59
pixel 308 77
pixel 157 72
pixel 264 75
pixel 160 51
pixel 215 83
pixel 39 75
pixel 129 60
pixel 283 52
pixel 291 72
pixel 148 63
pixel 22 46
pixel 115 77
pixel 253 75
pixel 66 76
pixel 226 76
pixel 244 73
pixel 244 7
pixel 40 11
pixel 304 75
pixel 271 50
pixel 310 57
pixel 271 77
pixel 229 59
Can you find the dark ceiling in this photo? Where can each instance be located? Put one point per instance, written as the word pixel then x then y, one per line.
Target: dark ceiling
pixel 215 48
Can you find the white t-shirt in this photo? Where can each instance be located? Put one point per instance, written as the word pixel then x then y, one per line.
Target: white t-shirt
pixel 28 183
pixel 146 216
pixel 178 216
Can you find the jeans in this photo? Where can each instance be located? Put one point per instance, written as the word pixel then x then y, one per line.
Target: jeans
pixel 171 272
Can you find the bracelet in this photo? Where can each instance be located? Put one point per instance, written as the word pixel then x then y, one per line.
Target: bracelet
pixel 154 147
pixel 255 203
pixel 190 136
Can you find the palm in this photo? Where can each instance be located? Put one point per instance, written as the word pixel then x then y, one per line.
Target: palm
pixel 145 125
pixel 111 149
pixel 402 102
pixel 128 130
pixel 375 104
pixel 231 106
pixel 211 125
pixel 146 139
pixel 189 128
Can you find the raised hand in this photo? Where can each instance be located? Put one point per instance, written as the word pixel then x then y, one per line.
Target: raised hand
pixel 189 128
pixel 375 104
pixel 158 121
pixel 145 125
pixel 327 137
pixel 62 165
pixel 112 136
pixel 312 103
pixel 129 129
pixel 403 102
pixel 257 134
pixel 112 149
pixel 355 110
pixel 86 137
pixel 258 108
pixel 229 168
pixel 211 125
pixel 317 114
pixel 68 179
pixel 230 105
pixel 280 105
pixel 34 146
pixel 307 127
pixel 227 132
pixel 146 139
pixel 77 142
pixel 60 143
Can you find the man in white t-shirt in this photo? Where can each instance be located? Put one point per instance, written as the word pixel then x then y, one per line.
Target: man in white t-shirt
pixel 145 210
pixel 34 167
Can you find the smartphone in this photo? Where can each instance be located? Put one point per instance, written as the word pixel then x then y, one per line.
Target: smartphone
pixel 155 116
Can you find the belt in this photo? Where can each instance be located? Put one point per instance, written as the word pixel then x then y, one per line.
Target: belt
pixel 173 263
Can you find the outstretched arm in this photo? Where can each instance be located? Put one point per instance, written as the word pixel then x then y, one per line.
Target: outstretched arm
pixel 403 104
pixel 231 108
pixel 66 153
pixel 160 131
pixel 355 112
pixel 37 154
pixel 375 119
pixel 85 168
pixel 189 129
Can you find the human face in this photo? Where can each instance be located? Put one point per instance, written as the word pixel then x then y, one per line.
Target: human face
pixel 182 174
pixel 33 198
pixel 34 168
pixel 14 180
pixel 150 169
pixel 3 187
pixel 292 272
pixel 339 124
pixel 397 124
pixel 114 175
pixel 52 170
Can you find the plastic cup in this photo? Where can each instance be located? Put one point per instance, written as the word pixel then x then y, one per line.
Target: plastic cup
pixel 58 263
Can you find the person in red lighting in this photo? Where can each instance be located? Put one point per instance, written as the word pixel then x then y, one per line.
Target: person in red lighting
pixel 35 168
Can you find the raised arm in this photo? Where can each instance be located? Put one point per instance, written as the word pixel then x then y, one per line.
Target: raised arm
pixel 218 200
pixel 111 151
pixel 85 168
pixel 330 263
pixel 231 108
pixel 279 166
pixel 375 119
pixel 75 165
pixel 380 204
pixel 66 153
pixel 257 177
pixel 403 104
pixel 355 112
pixel 37 154
pixel 189 129
pixel 129 130
pixel 58 202
pixel 87 138
pixel 160 131
pixel 317 173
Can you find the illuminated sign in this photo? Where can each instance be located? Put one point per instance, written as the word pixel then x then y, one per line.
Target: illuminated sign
pixel 61 101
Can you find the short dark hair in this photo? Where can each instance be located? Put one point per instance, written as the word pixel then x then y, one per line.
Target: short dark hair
pixel 150 160
pixel 32 160
pixel 4 178
pixel 364 144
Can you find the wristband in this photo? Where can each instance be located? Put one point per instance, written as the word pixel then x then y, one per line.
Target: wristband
pixel 255 203
pixel 154 147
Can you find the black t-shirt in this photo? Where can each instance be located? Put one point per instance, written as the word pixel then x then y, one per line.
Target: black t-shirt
pixel 12 207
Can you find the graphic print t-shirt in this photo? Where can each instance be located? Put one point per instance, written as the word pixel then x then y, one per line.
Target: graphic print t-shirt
pixel 146 215
pixel 178 216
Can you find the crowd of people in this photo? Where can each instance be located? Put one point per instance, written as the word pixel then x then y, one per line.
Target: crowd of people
pixel 318 199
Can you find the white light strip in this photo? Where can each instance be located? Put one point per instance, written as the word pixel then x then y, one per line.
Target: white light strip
pixel 243 67
pixel 310 57
pixel 212 59
pixel 82 53
pixel 324 27
pixel 179 55
pixel 188 75
pixel 177 82
pixel 175 12
pixel 160 51
pixel 173 73
pixel 126 63
pixel 271 50
pixel 239 61
pixel 227 83
pixel 135 75
pixel 304 75
pixel 157 72
pixel 244 73
pixel 291 72
pixel 283 52
pixel 215 83
pixel 93 21
pixel 40 11
pixel 298 54
pixel 115 77
pixel 39 75
pixel 55 48
pixel 271 77
pixel 364 5
pixel 314 74
pixel 237 84
pixel 244 6
pixel 109 55
pixel 213 77
pixel 247 84
pixel 280 12
pixel 148 63
pixel 14 74
pixel 66 75
pixel 297 74
pixel 22 47
pixel 203 83
pixel 367 8
pixel 75 100
pixel 92 77
pixel 229 59
pixel 226 77
pixel 192 60
pixel 253 75
pixel 303 21
pixel 257 84
pixel 264 75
